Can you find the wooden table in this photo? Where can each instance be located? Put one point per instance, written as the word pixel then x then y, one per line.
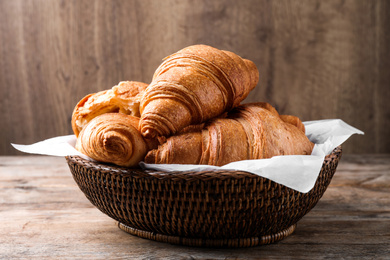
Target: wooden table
pixel 43 214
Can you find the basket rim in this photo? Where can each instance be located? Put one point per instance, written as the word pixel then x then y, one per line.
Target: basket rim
pixel 141 173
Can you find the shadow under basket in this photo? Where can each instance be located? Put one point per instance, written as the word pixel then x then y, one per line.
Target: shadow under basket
pixel 207 208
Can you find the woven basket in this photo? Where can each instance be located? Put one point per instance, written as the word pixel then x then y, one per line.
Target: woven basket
pixel 208 208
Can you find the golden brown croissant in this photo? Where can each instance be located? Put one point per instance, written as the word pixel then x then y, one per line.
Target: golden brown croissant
pixel 294 121
pixel 193 85
pixel 252 131
pixel 114 138
pixel 123 98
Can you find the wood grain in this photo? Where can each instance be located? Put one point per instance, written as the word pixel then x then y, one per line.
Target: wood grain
pixel 43 215
pixel 317 59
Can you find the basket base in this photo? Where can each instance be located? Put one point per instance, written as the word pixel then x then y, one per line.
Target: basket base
pixel 201 242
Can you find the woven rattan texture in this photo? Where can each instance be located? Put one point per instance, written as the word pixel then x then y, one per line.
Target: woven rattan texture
pixel 205 242
pixel 197 205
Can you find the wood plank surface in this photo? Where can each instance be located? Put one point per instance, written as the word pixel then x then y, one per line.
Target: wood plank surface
pixel 43 215
pixel 317 59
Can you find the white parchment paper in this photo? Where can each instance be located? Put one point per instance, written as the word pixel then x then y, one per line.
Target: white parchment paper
pixel 298 172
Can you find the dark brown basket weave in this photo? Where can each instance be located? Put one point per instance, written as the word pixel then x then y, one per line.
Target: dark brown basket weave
pixel 209 208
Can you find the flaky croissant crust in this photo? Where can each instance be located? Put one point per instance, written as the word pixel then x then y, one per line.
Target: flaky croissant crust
pixel 251 131
pixel 193 85
pixel 122 98
pixel 113 138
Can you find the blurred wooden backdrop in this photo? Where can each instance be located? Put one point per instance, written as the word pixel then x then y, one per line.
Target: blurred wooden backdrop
pixel 317 59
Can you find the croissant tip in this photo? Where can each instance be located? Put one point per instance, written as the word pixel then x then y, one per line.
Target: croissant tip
pixel 149 133
pixel 150 157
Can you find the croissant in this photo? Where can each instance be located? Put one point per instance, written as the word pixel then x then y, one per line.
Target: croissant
pixel 114 138
pixel 123 98
pixel 193 85
pixel 251 131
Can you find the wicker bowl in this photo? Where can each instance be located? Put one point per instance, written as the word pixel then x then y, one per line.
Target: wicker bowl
pixel 209 208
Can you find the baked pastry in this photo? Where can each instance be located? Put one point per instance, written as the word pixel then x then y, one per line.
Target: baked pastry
pixel 193 85
pixel 114 138
pixel 251 131
pixel 122 98
pixel 294 121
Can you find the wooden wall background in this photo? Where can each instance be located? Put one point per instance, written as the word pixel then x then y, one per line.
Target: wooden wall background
pixel 317 59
